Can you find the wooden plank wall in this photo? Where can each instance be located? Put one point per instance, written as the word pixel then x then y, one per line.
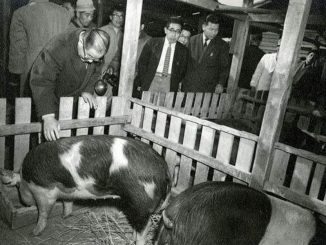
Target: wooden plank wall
pixel 196 150
pixel 203 105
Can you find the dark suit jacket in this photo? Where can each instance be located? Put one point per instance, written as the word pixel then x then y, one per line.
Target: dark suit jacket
pixel 207 67
pixel 150 58
pixel 58 72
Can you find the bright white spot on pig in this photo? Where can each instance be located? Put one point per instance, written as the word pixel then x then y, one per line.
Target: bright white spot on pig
pixel 290 224
pixel 71 161
pixel 149 188
pixel 119 160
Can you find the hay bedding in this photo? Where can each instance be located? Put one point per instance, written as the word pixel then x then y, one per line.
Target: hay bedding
pixel 104 226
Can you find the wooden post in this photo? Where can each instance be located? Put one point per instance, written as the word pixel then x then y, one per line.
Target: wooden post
pixel 5 13
pixel 130 43
pixel 100 13
pixel 240 36
pixel 294 27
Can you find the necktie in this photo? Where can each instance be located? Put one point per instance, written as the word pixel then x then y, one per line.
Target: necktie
pixel 206 42
pixel 167 60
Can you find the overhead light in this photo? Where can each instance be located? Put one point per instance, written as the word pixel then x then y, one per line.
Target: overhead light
pixel 239 3
pixel 195 13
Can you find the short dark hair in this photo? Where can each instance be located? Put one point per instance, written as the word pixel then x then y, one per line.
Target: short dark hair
pixel 187 27
pixel 118 8
pixel 212 18
pixel 173 20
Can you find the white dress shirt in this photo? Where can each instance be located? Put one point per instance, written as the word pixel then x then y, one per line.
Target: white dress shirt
pixel 161 63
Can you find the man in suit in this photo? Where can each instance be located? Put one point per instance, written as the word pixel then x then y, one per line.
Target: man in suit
pixel 69 65
pixel 32 27
pixel 208 66
pixel 163 61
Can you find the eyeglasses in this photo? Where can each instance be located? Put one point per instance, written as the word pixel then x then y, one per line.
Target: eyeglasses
pixel 119 15
pixel 174 31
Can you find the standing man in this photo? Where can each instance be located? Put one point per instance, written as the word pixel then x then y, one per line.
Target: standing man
pixel 208 67
pixel 69 65
pixel 32 26
pixel 163 61
pixel 114 30
pixel 84 14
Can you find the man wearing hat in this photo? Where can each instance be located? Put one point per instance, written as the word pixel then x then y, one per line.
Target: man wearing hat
pixel 84 14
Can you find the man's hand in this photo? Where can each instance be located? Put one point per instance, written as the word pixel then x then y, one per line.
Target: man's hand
pixel 90 99
pixel 219 89
pixel 51 128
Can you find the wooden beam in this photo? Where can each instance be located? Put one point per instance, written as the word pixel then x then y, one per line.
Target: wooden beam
pixel 205 4
pixel 294 27
pixel 129 48
pixel 240 35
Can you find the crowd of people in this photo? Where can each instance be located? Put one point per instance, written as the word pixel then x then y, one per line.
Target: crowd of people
pixel 63 52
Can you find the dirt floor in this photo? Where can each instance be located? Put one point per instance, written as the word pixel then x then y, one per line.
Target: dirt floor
pixel 87 225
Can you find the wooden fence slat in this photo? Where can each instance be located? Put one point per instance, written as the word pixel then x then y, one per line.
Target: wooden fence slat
pixel 224 151
pixel 197 104
pixel 212 113
pixel 227 105
pixel 147 96
pixel 82 113
pixel 65 113
pixel 148 120
pixel 188 105
pixel 301 174
pixel 120 106
pixel 161 99
pixel 169 100
pixel 178 101
pixel 174 133
pixel 100 112
pixel 245 156
pixel 317 180
pixel 221 105
pixel 190 133
pixel 3 107
pixel 136 115
pixel 279 166
pixel 205 147
pixel 205 106
pixel 22 115
pixel 160 129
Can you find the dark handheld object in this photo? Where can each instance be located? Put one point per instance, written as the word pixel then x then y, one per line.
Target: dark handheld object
pixel 101 86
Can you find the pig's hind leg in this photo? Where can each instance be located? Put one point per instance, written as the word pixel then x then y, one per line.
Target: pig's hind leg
pixel 45 199
pixel 26 195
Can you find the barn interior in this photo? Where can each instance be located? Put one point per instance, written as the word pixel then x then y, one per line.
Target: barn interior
pixel 300 23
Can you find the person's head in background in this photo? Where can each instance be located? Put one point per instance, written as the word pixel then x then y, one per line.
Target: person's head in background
pixel 211 26
pixel 255 39
pixel 117 17
pixel 84 12
pixel 172 29
pixel 185 35
pixel 70 5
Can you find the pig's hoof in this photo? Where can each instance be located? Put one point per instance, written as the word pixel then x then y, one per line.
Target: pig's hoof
pixel 38 230
pixel 65 216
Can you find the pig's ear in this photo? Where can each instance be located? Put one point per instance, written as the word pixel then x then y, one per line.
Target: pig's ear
pixel 167 222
